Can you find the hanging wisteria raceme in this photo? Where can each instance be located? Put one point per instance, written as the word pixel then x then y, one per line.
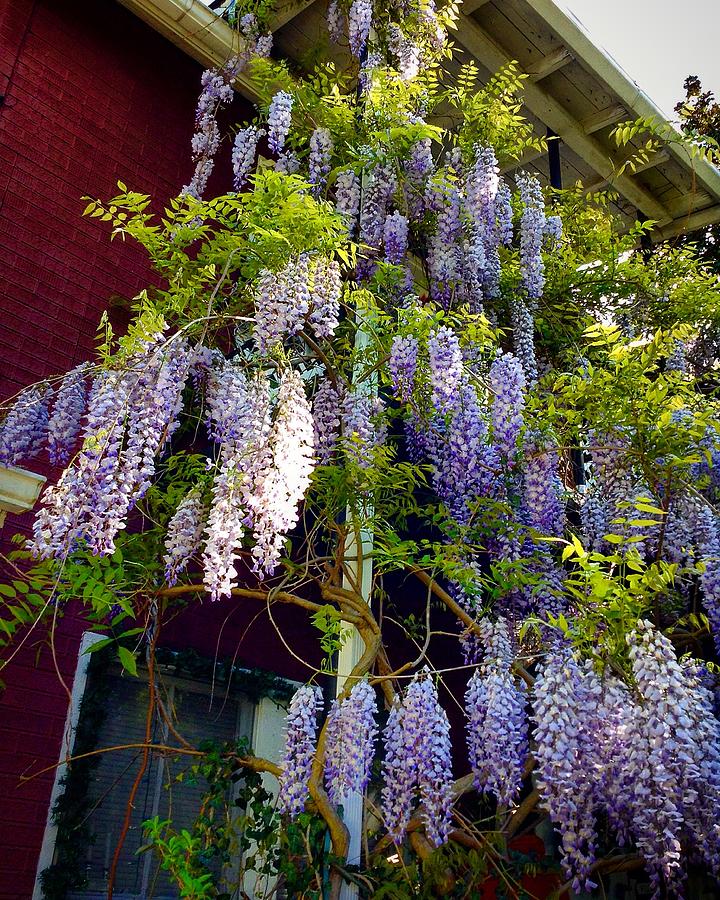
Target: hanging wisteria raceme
pixel 407 54
pixel 565 710
pixel 524 337
pixel 300 741
pixel 362 428
pixel 350 742
pixel 243 452
pixel 465 465
pixel 359 24
pixel 402 365
pixel 24 429
pixel 707 538
pixel 417 760
pixel 73 508
pixel 347 198
pixel 482 183
pixel 497 728
pixel 667 787
pixel 532 233
pixel 325 296
pixel 66 419
pixel 445 248
pixel 288 163
pixel 395 238
pixel 155 404
pixel 379 189
pixel 184 535
pixel 417 170
pixel 326 409
pixel 279 121
pixel 321 149
pixel 507 386
pixel 282 301
pixel 542 490
pixel 216 92
pixel 273 496
pixel 553 230
pixel 595 516
pixel 446 368
pixel 244 152
pixel 335 21
pixel 504 213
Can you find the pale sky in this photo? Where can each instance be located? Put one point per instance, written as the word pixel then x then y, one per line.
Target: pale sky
pixel 657 42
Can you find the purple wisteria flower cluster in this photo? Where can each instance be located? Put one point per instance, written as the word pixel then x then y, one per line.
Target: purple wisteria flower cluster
pixel 24 428
pixel 395 237
pixel 131 416
pixel 507 386
pixel 497 727
pixel 283 469
pixel 363 429
pixel 350 742
pixel 306 289
pixel 279 121
pixel 418 761
pixel 184 535
pixel 66 419
pixel 565 723
pixel 532 233
pixel 402 366
pixel 359 24
pixel 347 198
pixel 299 751
pixel 327 411
pixel 321 149
pixel 542 490
pixel 244 152
pixel 446 368
pixel 217 91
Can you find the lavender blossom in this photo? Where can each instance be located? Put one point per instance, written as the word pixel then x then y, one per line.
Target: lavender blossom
pixel 504 214
pixel 497 723
pixel 359 24
pixel 553 230
pixel 288 163
pixel 279 121
pixel 350 742
pixel 184 535
pixel 279 486
pixel 507 385
pixel 325 297
pixel 244 152
pixel 24 429
pixel 395 238
pixel 361 432
pixel 407 54
pixel 417 169
pixel 321 149
pixel 565 714
pixel 326 418
pixel 65 422
pixel 300 743
pixel 532 232
pixel 446 368
pixel 335 21
pixel 417 758
pixel 524 337
pixel 347 198
pixel 402 365
pixel 282 301
pixel 543 506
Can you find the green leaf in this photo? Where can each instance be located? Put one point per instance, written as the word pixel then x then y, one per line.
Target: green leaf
pixel 128 660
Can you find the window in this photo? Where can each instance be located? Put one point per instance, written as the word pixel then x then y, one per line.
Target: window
pixel 197 716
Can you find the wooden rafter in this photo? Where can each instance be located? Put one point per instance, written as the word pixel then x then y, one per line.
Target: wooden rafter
pixel 608 116
pixel 549 64
pixel 550 111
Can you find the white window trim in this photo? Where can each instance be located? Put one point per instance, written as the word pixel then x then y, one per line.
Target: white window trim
pixel 47 850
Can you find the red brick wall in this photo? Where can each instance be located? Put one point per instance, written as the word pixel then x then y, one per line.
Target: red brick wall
pixel 91 96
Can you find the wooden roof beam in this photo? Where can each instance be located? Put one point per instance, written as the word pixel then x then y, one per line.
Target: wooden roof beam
pixel 608 116
pixel 549 64
pixel 552 113
pixel 469 6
